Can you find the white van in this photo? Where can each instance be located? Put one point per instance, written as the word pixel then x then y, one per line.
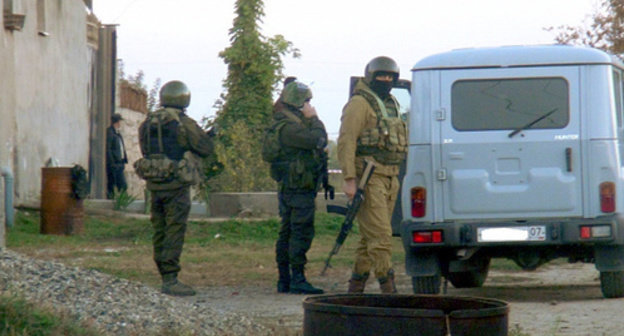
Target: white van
pixel 515 152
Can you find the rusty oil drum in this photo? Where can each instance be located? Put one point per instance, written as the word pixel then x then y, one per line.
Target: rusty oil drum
pixel 427 315
pixel 61 213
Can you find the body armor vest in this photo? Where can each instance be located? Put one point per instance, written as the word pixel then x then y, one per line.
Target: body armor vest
pixel 162 135
pixel 164 158
pixel 300 168
pixel 303 169
pixel 387 141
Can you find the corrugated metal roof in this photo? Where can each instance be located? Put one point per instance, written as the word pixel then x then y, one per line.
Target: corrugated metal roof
pixel 516 56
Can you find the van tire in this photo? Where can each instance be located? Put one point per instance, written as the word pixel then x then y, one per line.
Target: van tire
pixel 472 278
pixel 426 284
pixel 612 284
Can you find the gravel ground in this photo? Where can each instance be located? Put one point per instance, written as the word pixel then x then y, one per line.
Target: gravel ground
pixel 556 299
pixel 112 305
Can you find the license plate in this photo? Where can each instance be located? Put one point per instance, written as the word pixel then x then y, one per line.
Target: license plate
pixel 511 234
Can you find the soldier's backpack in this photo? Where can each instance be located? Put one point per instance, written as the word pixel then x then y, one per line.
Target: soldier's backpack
pixel 271 146
pixel 80 185
pixel 272 152
pixel 158 167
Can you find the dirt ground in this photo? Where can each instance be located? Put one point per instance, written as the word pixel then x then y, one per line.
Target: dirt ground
pixel 556 299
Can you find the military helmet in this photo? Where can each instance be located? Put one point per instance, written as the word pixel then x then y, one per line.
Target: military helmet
pixel 381 64
pixel 175 94
pixel 295 94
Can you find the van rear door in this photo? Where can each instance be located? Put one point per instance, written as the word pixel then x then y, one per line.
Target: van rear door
pixel 510 143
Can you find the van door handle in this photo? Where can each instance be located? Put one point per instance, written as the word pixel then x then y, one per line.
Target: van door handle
pixel 568 155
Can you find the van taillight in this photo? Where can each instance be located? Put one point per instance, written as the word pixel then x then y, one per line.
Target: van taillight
pixel 427 237
pixel 419 201
pixel 607 197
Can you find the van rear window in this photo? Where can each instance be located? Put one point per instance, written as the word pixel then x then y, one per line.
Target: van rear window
pixel 507 104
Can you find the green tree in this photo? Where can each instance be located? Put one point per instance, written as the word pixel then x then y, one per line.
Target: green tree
pixel 254 68
pixel 243 169
pixel 606 30
pixel 332 147
pixel 245 109
pixel 152 96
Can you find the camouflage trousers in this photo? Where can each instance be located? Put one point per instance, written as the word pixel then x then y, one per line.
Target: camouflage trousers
pixel 297 230
pixel 374 250
pixel 170 210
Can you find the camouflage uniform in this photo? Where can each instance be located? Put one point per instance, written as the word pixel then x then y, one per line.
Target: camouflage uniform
pixel 361 137
pixel 170 198
pixel 300 171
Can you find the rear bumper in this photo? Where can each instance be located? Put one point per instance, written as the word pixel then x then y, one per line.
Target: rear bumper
pixel 561 231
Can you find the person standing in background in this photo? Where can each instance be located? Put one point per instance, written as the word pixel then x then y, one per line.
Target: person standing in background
pixel 116 158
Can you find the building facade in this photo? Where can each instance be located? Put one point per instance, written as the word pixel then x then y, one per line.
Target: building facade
pixel 50 101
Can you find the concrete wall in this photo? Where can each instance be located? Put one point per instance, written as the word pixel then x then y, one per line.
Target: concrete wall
pixel 225 205
pixel 44 83
pixel 7 105
pixel 51 107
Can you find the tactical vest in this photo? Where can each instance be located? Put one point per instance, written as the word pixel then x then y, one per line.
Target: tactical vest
pixel 298 169
pixel 162 134
pixel 164 159
pixel 387 141
pixel 303 170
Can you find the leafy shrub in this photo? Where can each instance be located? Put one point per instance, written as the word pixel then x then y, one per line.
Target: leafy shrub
pixel 121 200
pixel 243 168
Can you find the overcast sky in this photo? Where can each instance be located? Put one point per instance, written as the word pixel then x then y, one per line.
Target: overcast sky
pixel 181 39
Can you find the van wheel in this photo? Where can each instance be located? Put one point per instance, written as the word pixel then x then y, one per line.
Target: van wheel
pixel 612 284
pixel 472 278
pixel 426 284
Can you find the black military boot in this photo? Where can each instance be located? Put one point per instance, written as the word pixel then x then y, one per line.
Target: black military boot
pixel 283 283
pixel 172 286
pixel 386 284
pixel 299 284
pixel 357 283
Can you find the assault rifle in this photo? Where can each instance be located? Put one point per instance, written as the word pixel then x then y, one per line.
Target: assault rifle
pixel 349 212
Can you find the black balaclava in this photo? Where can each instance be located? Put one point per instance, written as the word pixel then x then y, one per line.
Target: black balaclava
pixel 382 88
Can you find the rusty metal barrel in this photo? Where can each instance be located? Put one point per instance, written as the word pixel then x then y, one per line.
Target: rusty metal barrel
pixel 61 213
pixel 378 314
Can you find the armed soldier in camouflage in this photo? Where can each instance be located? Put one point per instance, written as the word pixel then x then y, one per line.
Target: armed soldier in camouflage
pixel 372 129
pixel 169 139
pixel 299 172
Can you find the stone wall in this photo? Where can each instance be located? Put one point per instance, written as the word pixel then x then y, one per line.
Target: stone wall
pixel 130 132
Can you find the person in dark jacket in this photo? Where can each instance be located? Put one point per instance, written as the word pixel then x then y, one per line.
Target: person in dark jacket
pixel 303 140
pixel 116 158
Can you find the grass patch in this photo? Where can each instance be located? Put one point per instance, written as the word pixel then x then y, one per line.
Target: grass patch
pixel 501 264
pixel 17 317
pixel 232 252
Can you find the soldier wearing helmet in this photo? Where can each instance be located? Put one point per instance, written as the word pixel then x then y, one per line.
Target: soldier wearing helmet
pixel 372 129
pixel 169 141
pixel 302 139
